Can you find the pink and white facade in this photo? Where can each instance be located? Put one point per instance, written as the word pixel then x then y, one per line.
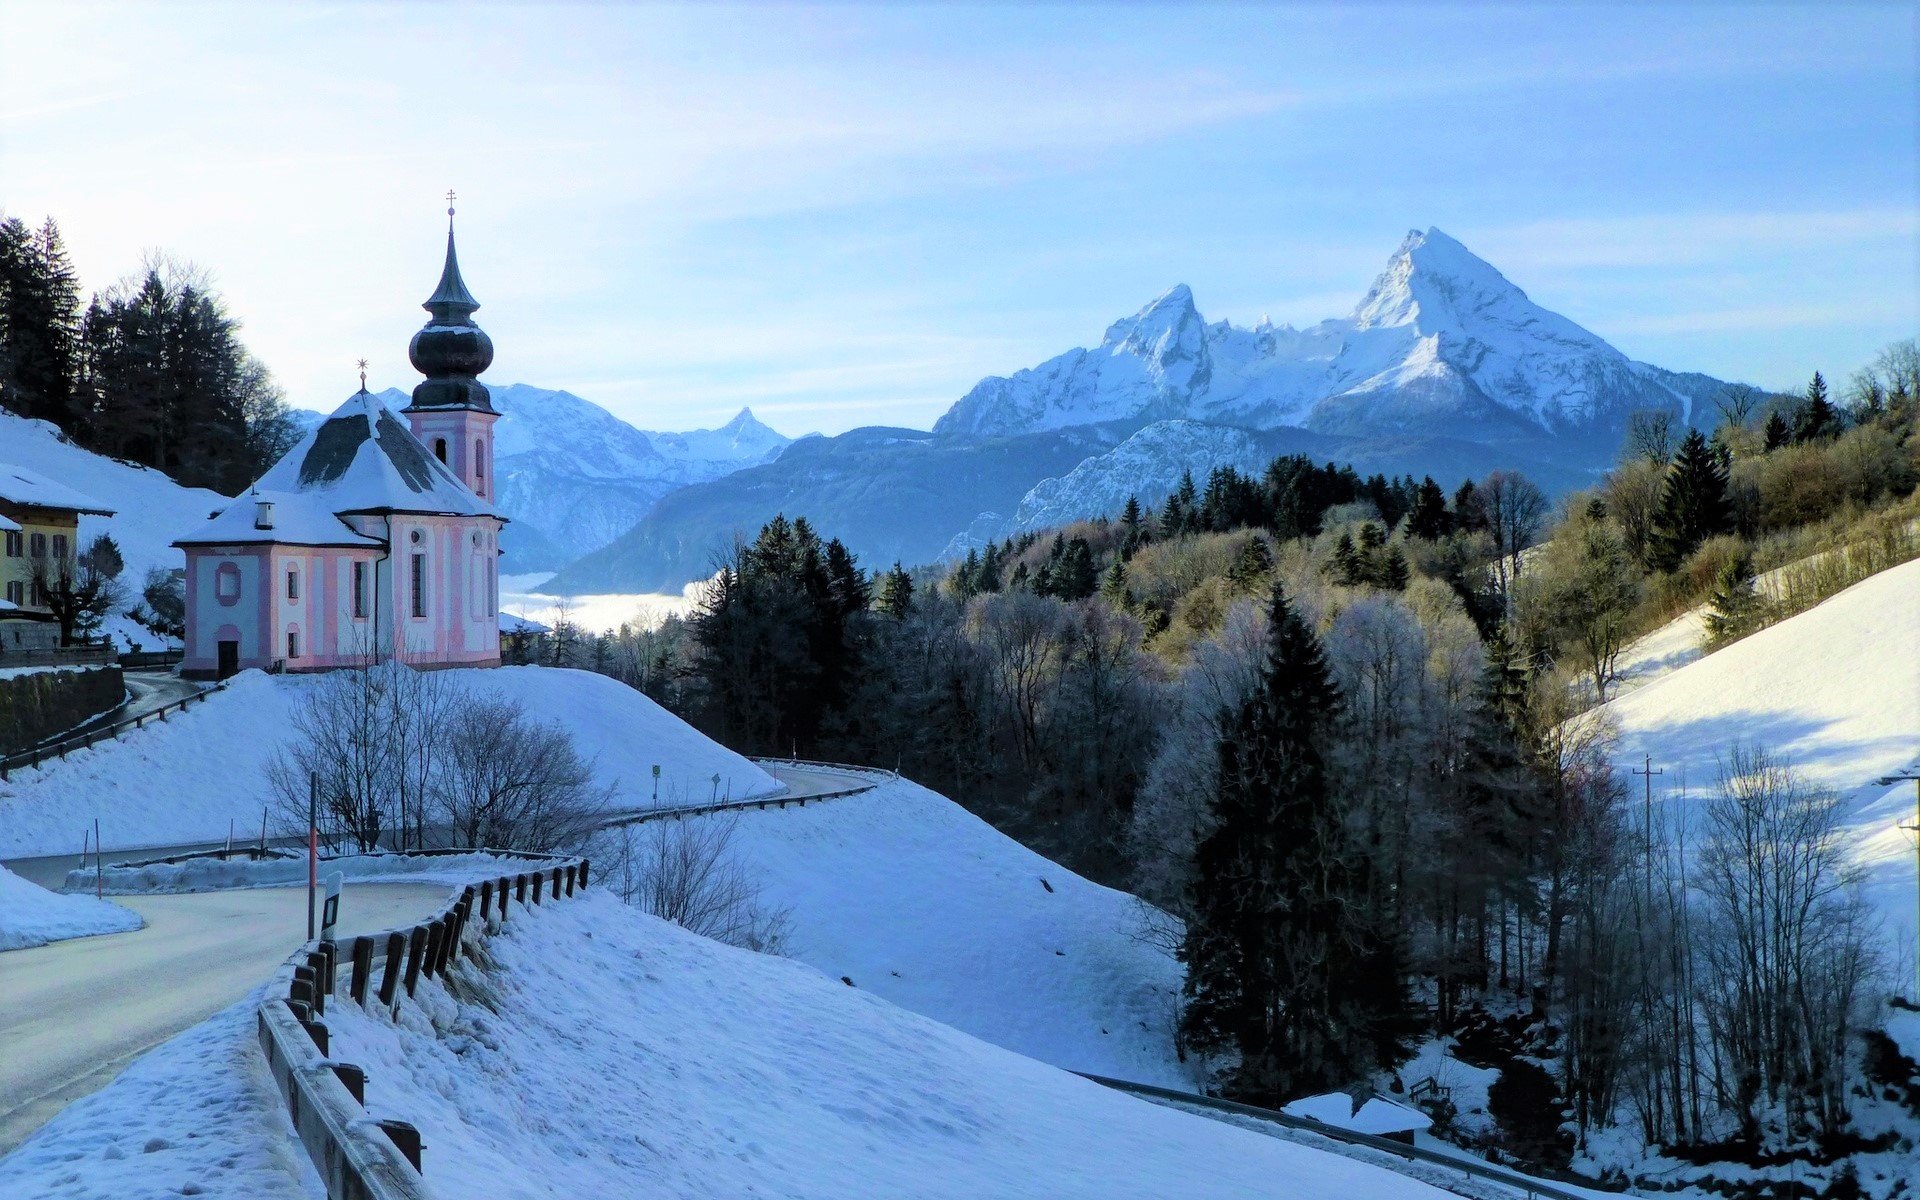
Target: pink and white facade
pixel 370 539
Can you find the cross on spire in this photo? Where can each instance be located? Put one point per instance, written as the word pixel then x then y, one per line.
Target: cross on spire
pixel 363 374
pixel 449 208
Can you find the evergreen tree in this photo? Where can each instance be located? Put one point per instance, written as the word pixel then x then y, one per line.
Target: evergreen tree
pixel 1113 586
pixel 896 593
pixel 1076 577
pixel 1132 526
pixel 1469 510
pixel 1251 565
pixel 39 323
pixel 1777 433
pixel 1818 420
pixel 1428 518
pixel 1693 503
pixel 1733 605
pixel 1286 962
pixel 966 577
pixel 1394 574
pixel 1345 565
pixel 1181 513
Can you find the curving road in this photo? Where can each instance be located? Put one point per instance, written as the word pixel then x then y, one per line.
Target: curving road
pixel 198 954
pixel 75 1013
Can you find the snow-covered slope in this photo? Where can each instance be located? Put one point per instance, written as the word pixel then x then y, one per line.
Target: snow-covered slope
pixel 1442 344
pixel 743 1075
pixel 184 779
pixel 150 509
pixel 572 476
pixel 910 896
pixel 33 916
pixel 1834 690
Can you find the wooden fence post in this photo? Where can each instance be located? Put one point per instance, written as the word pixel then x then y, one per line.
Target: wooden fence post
pixel 416 945
pixel 362 968
pixel 389 983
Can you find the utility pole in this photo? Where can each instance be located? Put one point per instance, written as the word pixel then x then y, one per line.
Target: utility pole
pixel 1887 781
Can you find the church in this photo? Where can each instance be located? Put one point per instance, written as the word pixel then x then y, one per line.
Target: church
pixel 371 538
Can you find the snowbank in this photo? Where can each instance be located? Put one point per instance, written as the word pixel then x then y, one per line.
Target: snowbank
pixel 186 778
pixel 288 867
pixel 1834 690
pixel 740 1074
pixel 910 896
pixel 199 1116
pixel 32 916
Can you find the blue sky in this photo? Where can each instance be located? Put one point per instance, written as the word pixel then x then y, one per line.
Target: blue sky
pixel 847 216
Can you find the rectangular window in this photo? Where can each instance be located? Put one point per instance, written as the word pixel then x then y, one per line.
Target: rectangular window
pixel 37 598
pixel 37 545
pixel 15 546
pixel 360 589
pixel 16 592
pixel 293 583
pixel 419 585
pixel 293 644
pixel 59 545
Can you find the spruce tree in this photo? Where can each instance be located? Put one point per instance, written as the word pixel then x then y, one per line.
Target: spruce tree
pixel 1733 606
pixel 1250 566
pixel 1076 577
pixel 1287 963
pixel 1777 433
pixel 1818 419
pixel 1345 566
pixel 895 598
pixel 1429 519
pixel 1113 586
pixel 1693 503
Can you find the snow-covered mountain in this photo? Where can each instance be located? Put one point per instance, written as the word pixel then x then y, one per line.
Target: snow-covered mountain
pixel 572 476
pixel 1444 367
pixel 1441 345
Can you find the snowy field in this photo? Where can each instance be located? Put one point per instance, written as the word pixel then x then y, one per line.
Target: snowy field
pixel 520 596
pixel 1834 690
pixel 743 1075
pixel 910 896
pixel 33 916
pixel 187 778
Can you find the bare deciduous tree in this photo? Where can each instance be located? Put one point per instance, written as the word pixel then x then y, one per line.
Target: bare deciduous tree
pixel 1515 509
pixel 506 781
pixel 685 871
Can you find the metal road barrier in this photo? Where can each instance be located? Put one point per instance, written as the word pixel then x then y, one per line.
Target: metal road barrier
pixel 59 749
pixel 358 1158
pixel 696 810
pixel 1525 1184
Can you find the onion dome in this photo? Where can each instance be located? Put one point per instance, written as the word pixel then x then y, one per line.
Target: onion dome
pixel 451 350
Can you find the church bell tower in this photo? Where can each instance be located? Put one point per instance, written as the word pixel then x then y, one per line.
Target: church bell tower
pixel 452 412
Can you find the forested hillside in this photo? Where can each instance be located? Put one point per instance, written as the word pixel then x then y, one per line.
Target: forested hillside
pixel 1406 666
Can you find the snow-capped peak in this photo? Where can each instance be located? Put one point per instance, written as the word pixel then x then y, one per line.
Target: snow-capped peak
pixel 1434 277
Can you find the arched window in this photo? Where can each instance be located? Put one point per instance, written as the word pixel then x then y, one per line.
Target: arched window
pixel 440 449
pixel 479 467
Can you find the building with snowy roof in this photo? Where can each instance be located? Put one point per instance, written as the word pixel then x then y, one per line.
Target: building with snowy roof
pixel 370 537
pixel 39 540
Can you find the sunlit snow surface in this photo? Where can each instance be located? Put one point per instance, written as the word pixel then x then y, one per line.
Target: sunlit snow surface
pixel 31 915
pixel 1835 691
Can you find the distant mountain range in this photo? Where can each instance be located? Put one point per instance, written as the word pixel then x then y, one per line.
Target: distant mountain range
pixel 1444 368
pixel 573 477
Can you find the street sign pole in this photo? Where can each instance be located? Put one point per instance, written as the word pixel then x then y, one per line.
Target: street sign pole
pixel 313 846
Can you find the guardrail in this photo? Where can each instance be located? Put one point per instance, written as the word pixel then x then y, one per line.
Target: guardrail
pixel 85 655
pixel 696 810
pixel 82 741
pixel 357 1157
pixel 139 660
pixel 1525 1184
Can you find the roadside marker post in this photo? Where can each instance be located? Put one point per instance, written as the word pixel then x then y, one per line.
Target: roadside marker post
pixel 99 865
pixel 330 911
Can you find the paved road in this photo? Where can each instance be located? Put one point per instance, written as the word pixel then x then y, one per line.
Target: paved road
pixel 50 871
pixel 132 991
pixel 147 691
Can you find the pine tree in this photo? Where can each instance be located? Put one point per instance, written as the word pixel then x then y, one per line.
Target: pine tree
pixel 966 577
pixel 1076 577
pixel 1286 963
pixel 1693 504
pixel 1345 565
pixel 39 323
pixel 1733 605
pixel 1251 565
pixel 1113 586
pixel 1394 574
pixel 1777 432
pixel 1132 524
pixel 1818 420
pixel 895 598
pixel 1429 519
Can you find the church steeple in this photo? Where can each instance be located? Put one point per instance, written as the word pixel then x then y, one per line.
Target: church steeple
pixel 452 413
pixel 451 350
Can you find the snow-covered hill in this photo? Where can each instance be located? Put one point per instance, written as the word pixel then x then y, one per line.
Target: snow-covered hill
pixel 33 916
pixel 150 509
pixel 909 896
pixel 1441 345
pixel 573 477
pixel 186 778
pixel 1835 691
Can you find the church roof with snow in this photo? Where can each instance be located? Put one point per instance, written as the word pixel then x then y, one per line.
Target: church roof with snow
pixel 361 459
